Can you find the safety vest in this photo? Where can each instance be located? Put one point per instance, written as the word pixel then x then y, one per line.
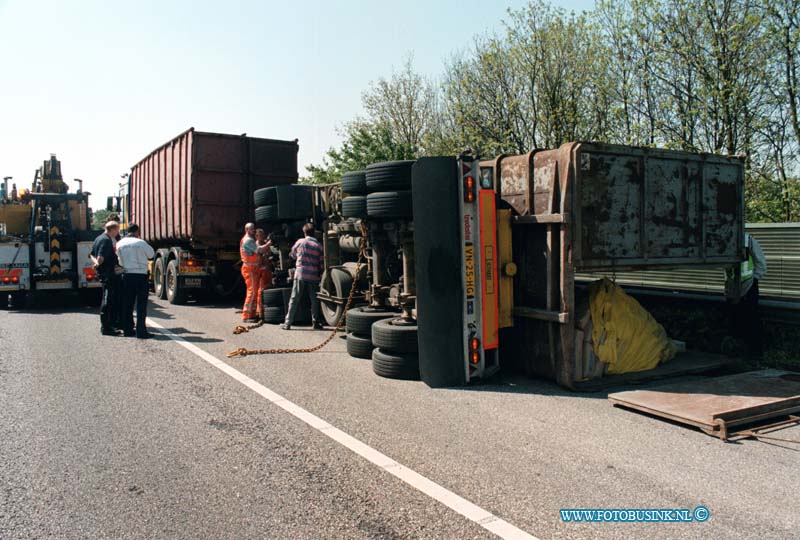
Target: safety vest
pixel 248 260
pixel 748 265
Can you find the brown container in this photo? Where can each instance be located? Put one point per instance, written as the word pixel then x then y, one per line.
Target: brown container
pixel 606 208
pixel 196 190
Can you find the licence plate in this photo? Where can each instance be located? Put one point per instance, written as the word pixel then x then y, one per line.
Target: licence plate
pixel 469 264
pixel 193 282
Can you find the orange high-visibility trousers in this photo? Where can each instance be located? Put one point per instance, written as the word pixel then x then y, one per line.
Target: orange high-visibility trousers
pixel 264 282
pixel 251 275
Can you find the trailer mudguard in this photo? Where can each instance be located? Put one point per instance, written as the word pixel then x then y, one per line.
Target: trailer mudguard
pixel 439 274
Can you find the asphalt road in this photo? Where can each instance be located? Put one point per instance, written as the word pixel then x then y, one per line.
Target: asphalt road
pixel 106 437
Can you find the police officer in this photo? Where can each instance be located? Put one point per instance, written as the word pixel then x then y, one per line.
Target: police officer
pixel 105 261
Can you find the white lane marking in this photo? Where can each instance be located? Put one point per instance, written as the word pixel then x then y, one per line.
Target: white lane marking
pixel 471 511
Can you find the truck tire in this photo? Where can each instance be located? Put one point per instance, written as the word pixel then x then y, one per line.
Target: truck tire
pixel 159 278
pixel 389 175
pixel 337 282
pixel 273 297
pixel 18 299
pixel 359 346
pixel 397 338
pixel 404 366
pixel 354 183
pixel 389 204
pixel 267 213
pixel 265 196
pixel 354 206
pixel 175 293
pixel 274 314
pixel 90 297
pixel 360 319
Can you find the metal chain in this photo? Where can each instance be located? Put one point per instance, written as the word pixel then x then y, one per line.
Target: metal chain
pixel 242 351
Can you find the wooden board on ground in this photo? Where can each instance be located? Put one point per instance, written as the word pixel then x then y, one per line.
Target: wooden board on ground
pixel 719 403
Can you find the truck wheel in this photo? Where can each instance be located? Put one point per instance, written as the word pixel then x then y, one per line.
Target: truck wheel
pixel 175 293
pixel 359 346
pixel 389 175
pixel 90 297
pixel 337 282
pixel 267 213
pixel 354 206
pixel 392 365
pixel 274 314
pixel 158 279
pixel 389 204
pixel 265 196
pixel 360 319
pixel 18 299
pixel 392 335
pixel 354 183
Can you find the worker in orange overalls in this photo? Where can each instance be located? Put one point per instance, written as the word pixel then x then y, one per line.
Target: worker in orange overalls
pixel 265 271
pixel 251 271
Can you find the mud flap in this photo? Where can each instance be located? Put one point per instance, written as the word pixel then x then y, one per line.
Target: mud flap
pixel 437 247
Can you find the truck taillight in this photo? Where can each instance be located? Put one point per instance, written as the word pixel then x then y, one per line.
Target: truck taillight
pixel 15 280
pixel 469 189
pixel 474 350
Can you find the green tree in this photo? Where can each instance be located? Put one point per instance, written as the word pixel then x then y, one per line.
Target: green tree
pixel 100 218
pixel 364 143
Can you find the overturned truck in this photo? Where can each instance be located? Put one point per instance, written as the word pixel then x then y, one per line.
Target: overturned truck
pixel 498 245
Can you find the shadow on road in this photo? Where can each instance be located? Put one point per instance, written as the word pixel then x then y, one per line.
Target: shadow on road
pixel 183 333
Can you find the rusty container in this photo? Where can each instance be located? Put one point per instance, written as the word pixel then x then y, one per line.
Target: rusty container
pixel 600 207
pixel 196 190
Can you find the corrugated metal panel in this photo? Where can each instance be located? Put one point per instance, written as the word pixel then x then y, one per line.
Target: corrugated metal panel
pixel 198 187
pixel 652 208
pixel 781 245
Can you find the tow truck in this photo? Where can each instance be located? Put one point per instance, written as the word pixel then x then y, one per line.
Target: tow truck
pixel 45 240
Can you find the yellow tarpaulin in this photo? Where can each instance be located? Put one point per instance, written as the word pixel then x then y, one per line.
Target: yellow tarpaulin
pixel 624 335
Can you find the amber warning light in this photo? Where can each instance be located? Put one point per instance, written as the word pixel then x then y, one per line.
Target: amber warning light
pixel 474 354
pixel 469 189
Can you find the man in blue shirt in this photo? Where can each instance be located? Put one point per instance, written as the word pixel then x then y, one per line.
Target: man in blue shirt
pixel 104 257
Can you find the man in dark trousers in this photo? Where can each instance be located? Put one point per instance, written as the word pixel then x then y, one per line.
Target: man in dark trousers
pixel 307 253
pixel 105 261
pixel 134 254
pixel 742 298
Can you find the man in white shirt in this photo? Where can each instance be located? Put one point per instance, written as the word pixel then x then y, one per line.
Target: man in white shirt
pixel 133 253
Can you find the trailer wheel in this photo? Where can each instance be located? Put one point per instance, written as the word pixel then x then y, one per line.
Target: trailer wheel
pixel 265 196
pixel 274 297
pixel 274 314
pixel 354 183
pixel 175 293
pixel 359 346
pixel 338 283
pixel 360 319
pixel 396 336
pixel 389 204
pixel 389 175
pixel 354 206
pixel 393 365
pixel 158 278
pixel 267 213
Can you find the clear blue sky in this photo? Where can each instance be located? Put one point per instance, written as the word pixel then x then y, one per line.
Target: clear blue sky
pixel 102 83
